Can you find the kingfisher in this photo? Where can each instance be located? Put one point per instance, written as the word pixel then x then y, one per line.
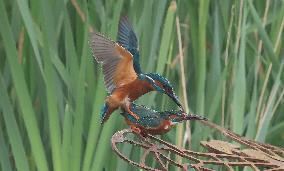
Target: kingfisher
pixel 123 78
pixel 154 122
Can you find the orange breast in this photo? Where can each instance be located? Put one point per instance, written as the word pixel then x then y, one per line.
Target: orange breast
pixel 162 129
pixel 138 88
pixel 133 90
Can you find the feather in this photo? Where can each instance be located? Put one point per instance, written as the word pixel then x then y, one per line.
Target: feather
pixel 126 36
pixel 115 60
pixel 105 53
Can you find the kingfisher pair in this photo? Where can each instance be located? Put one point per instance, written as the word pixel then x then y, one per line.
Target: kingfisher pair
pixel 126 82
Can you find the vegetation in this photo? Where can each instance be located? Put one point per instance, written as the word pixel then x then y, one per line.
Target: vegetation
pixel 224 58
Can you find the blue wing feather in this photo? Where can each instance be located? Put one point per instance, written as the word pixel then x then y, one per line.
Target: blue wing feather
pixel 127 38
pixel 105 53
pixel 149 118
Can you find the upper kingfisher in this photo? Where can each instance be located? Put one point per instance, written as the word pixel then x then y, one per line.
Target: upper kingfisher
pixel 155 122
pixel 123 77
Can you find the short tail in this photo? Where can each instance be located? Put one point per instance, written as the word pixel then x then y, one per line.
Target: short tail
pixel 105 113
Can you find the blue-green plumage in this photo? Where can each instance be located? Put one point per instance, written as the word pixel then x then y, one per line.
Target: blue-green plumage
pixel 123 77
pixel 104 110
pixel 148 117
pixel 156 122
pixel 127 38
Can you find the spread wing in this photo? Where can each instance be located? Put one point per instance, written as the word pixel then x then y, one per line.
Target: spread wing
pixel 117 62
pixel 126 36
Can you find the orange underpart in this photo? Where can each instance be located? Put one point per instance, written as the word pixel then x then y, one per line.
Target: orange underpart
pixel 163 128
pixel 133 114
pixel 133 90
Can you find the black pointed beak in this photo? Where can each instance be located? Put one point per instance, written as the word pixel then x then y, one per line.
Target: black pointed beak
pixel 185 117
pixel 195 117
pixel 176 100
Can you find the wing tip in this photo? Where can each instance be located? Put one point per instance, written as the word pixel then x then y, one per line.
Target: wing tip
pixel 124 24
pixel 98 43
pixel 124 18
pixel 97 35
pixel 126 35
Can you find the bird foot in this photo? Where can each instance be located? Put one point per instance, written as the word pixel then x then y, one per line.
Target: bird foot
pixel 135 129
pixel 127 106
pixel 134 115
pixel 140 133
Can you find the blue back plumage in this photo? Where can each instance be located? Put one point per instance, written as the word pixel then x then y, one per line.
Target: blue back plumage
pixel 157 77
pixel 127 38
pixel 150 118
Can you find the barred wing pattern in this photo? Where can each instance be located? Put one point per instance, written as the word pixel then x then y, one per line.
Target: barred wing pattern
pixel 117 62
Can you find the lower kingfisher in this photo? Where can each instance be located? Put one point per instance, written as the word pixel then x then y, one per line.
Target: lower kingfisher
pixel 154 122
pixel 123 77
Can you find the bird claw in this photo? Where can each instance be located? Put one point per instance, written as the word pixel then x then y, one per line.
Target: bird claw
pixel 141 134
pixel 127 107
pixel 135 129
pixel 133 114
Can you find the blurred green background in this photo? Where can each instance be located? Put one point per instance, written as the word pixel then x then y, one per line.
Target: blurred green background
pixel 51 89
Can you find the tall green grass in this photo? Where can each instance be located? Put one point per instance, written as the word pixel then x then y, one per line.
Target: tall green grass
pixel 51 89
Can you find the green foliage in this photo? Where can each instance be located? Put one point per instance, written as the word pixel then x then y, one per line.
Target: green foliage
pixel 51 90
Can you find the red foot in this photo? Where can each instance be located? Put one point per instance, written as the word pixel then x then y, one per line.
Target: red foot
pixel 135 129
pixel 133 114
